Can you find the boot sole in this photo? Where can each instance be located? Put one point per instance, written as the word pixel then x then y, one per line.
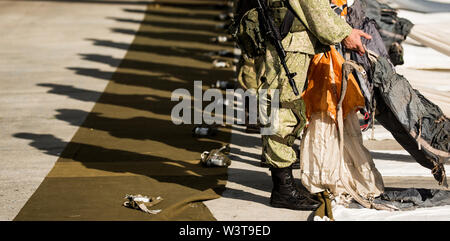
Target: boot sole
pixel 283 205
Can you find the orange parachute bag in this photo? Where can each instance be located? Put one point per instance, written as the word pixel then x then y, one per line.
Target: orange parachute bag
pixel 324 86
pixel 342 4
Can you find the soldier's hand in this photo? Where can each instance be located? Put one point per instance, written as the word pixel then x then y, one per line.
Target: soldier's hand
pixel 353 41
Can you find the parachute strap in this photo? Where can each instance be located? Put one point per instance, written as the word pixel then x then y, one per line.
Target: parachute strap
pixel 287 23
pixel 371 55
pixel 287 105
pixel 285 18
pixel 423 143
pixel 298 109
pixel 288 140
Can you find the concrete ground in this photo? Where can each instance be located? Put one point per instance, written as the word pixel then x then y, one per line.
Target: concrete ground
pixel 44 44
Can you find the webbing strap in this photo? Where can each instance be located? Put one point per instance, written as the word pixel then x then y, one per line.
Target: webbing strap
pixel 286 25
pixel 289 139
pixel 287 105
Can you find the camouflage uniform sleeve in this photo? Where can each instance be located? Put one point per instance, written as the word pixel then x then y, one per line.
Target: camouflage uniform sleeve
pixel 321 20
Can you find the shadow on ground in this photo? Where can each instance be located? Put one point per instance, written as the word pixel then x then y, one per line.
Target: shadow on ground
pixel 129 130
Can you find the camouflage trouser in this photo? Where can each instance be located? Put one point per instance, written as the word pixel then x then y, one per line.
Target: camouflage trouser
pixel 249 72
pixel 290 119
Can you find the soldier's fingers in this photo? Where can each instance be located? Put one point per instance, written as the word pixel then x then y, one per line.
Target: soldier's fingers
pixel 360 49
pixel 365 35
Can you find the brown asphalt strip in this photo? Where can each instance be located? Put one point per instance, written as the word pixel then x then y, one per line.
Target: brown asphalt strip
pixel 128 144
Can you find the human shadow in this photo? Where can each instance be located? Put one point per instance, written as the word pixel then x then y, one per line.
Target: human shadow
pixel 172 14
pixel 132 79
pixel 146 102
pixel 237 154
pixel 178 26
pixel 115 2
pixel 245 195
pixel 98 157
pixel 197 4
pixel 170 36
pixel 48 144
pixel 176 70
pixel 145 128
pixel 392 157
pixel 176 51
pixel 131 121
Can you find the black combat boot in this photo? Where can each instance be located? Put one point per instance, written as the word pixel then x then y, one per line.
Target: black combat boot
pixel 285 193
